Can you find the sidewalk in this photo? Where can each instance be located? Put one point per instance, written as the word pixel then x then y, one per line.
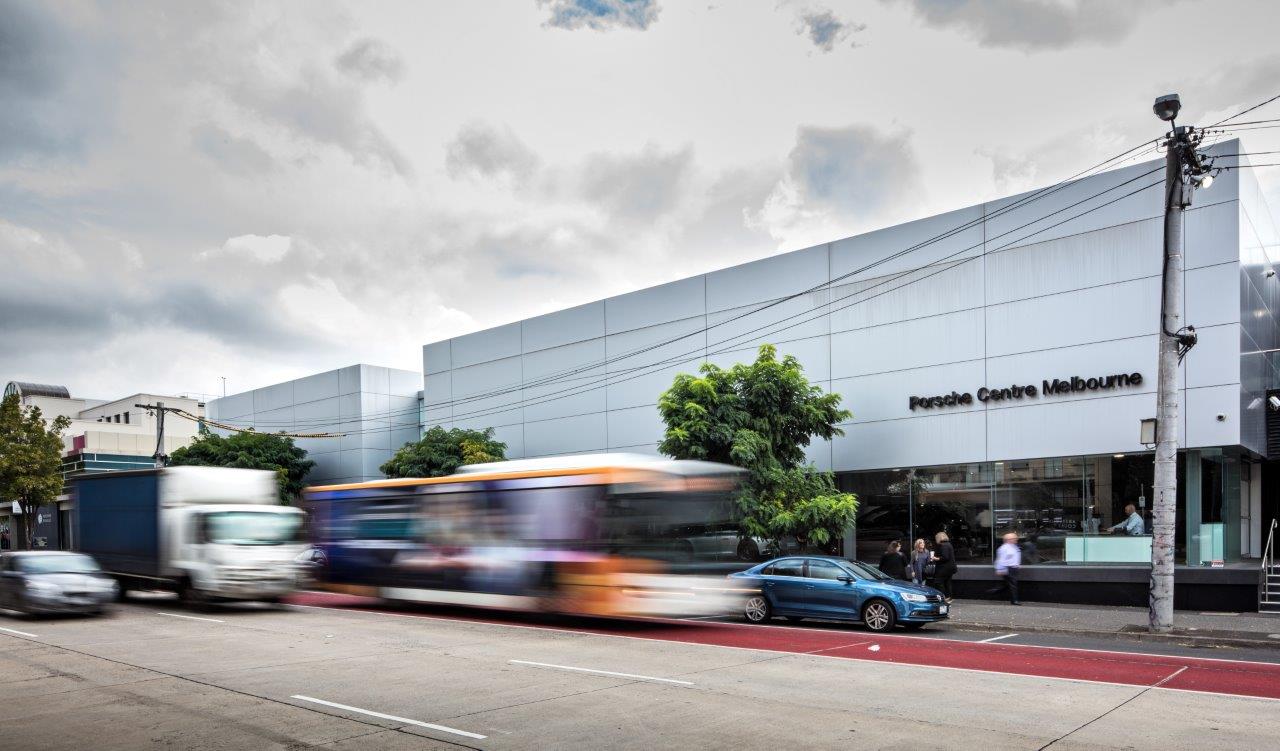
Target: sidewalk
pixel 1245 629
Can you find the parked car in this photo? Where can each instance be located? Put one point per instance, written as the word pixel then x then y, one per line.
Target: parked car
pixel 836 589
pixel 54 582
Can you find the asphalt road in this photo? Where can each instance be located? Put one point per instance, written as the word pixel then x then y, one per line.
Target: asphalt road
pixel 332 677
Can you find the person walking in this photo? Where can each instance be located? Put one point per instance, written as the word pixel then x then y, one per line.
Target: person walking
pixel 920 556
pixel 893 562
pixel 944 559
pixel 1008 561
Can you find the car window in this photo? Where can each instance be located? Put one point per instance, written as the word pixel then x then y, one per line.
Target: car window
pixel 825 570
pixel 789 567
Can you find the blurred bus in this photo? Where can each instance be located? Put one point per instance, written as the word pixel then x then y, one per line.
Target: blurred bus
pixel 594 534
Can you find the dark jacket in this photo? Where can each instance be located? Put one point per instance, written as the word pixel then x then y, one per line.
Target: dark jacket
pixel 895 565
pixel 946 559
pixel 919 560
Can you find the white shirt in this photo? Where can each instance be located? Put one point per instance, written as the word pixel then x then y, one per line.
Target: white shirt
pixel 1008 556
pixel 1133 526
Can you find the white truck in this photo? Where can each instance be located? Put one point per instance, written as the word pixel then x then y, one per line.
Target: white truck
pixel 207 533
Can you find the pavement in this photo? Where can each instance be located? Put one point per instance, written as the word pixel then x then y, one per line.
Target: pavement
pixel 1234 629
pixel 339 676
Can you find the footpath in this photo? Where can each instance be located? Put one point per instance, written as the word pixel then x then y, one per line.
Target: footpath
pixel 1230 629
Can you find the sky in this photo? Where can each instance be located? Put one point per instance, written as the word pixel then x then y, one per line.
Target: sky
pixel 258 191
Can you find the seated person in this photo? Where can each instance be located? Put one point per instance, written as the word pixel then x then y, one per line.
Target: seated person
pixel 1133 525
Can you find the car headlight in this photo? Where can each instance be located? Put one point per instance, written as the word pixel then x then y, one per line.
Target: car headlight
pixel 913 597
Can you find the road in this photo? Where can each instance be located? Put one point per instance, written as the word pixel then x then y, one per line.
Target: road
pixel 335 673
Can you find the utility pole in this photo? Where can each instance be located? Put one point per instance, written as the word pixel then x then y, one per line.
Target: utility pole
pixel 1183 167
pixel 159 409
pixel 224 386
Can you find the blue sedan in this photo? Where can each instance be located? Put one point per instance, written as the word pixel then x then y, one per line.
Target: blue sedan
pixel 835 589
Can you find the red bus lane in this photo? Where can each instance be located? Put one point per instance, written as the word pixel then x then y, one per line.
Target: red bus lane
pixel 1231 677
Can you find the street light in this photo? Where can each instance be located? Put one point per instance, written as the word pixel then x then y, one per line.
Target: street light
pixel 1167 106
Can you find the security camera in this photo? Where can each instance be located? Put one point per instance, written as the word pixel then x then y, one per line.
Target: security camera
pixel 1222 417
pixel 1167 106
pixel 1274 402
pixel 1269 273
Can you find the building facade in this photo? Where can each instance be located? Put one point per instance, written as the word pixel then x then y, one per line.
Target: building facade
pixel 997 361
pixel 370 410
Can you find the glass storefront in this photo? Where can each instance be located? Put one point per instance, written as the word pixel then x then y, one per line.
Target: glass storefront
pixel 1066 510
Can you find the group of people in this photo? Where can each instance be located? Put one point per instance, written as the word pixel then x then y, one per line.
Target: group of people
pixel 934 567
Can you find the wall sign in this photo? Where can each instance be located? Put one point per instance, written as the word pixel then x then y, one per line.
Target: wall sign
pixel 1074 384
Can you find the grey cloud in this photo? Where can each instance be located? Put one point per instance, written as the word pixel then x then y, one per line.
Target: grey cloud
pixel 856 169
pixel 1032 25
pixel 485 151
pixel 239 156
pixel 371 60
pixel 601 15
pixel 825 30
pixel 640 187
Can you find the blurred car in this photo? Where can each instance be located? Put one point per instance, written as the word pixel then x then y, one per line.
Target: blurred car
pixel 836 589
pixel 54 582
pixel 311 564
pixel 716 542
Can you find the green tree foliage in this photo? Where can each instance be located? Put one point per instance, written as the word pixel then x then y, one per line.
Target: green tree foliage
pixel 760 417
pixel 250 450
pixel 440 452
pixel 30 459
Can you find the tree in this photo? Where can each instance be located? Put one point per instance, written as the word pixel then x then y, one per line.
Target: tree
pixel 30 459
pixel 250 450
pixel 760 417
pixel 440 452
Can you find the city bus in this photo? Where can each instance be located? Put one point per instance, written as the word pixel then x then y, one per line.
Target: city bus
pixel 593 534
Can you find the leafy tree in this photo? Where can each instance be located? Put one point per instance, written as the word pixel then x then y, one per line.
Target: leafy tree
pixel 440 452
pixel 250 450
pixel 30 459
pixel 760 417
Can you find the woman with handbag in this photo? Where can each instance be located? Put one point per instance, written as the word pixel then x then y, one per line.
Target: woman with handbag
pixel 921 569
pixel 944 558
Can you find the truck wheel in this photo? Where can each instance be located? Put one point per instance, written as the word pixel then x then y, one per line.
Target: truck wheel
pixel 189 596
pixel 122 591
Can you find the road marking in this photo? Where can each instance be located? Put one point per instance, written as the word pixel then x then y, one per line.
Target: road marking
pixel 190 617
pixel 602 672
pixel 393 718
pixel 19 633
pixel 996 638
pixel 1169 677
pixel 842 646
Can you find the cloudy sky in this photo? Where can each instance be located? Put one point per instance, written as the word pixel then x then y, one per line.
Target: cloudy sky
pixel 263 190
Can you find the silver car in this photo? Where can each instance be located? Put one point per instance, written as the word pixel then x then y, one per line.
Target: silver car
pixel 54 582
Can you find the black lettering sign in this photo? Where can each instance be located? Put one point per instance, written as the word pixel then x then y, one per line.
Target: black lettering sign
pixel 1074 384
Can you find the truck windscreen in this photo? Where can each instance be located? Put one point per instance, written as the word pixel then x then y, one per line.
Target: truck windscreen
pixel 253 528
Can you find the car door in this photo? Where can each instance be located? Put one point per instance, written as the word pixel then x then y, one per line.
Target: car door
pixel 831 593
pixel 786 586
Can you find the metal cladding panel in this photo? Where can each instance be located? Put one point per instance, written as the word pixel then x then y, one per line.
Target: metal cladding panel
pixel 1071 427
pixel 814 355
pixel 1215 360
pixel 404 382
pixel 488 393
pixel 484 346
pixel 936 340
pixel 818 454
pixel 669 302
pixel 905 296
pixel 328 467
pixel 349 379
pixel 1096 360
pixel 402 435
pixel 565 435
pixel 437 390
pixel 938 439
pixel 1203 405
pixel 1115 311
pixel 1105 256
pixel 273 397
pixel 1005 221
pixel 769 278
pixel 644 362
pixel 937 239
pixel 436 357
pixel 564 327
pixel 319 414
pixel 776 321
pixel 230 407
pixel 375 379
pixel 319 386
pixel 1210 235
pixel 1213 295
pixel 887 396
pixel 634 426
pixel 513 436
pixel 563 381
pixel 371 460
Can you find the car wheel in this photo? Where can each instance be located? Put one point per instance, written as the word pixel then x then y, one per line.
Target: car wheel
pixel 757 609
pixel 878 615
pixel 748 550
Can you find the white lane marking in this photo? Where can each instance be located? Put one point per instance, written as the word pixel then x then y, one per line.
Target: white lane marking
pixel 19 633
pixel 1169 677
pixel 602 672
pixel 393 718
pixel 842 646
pixel 873 648
pixel 190 617
pixel 996 638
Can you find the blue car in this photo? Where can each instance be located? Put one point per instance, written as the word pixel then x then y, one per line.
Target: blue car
pixel 835 589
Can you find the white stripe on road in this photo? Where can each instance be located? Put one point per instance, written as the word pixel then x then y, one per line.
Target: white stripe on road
pixel 191 617
pixel 1170 677
pixel 996 638
pixel 391 717
pixel 19 633
pixel 602 672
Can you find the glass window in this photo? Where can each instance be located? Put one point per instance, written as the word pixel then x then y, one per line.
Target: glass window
pixel 787 567
pixel 825 570
pixel 57 564
pixel 253 527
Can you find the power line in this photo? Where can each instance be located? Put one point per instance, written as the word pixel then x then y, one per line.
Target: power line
pixel 1246 111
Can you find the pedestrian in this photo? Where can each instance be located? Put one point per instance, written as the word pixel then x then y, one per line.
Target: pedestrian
pixel 920 556
pixel 1133 524
pixel 944 560
pixel 893 562
pixel 1008 561
pixel 4 540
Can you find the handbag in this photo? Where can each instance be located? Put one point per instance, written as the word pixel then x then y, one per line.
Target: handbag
pixel 930 570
